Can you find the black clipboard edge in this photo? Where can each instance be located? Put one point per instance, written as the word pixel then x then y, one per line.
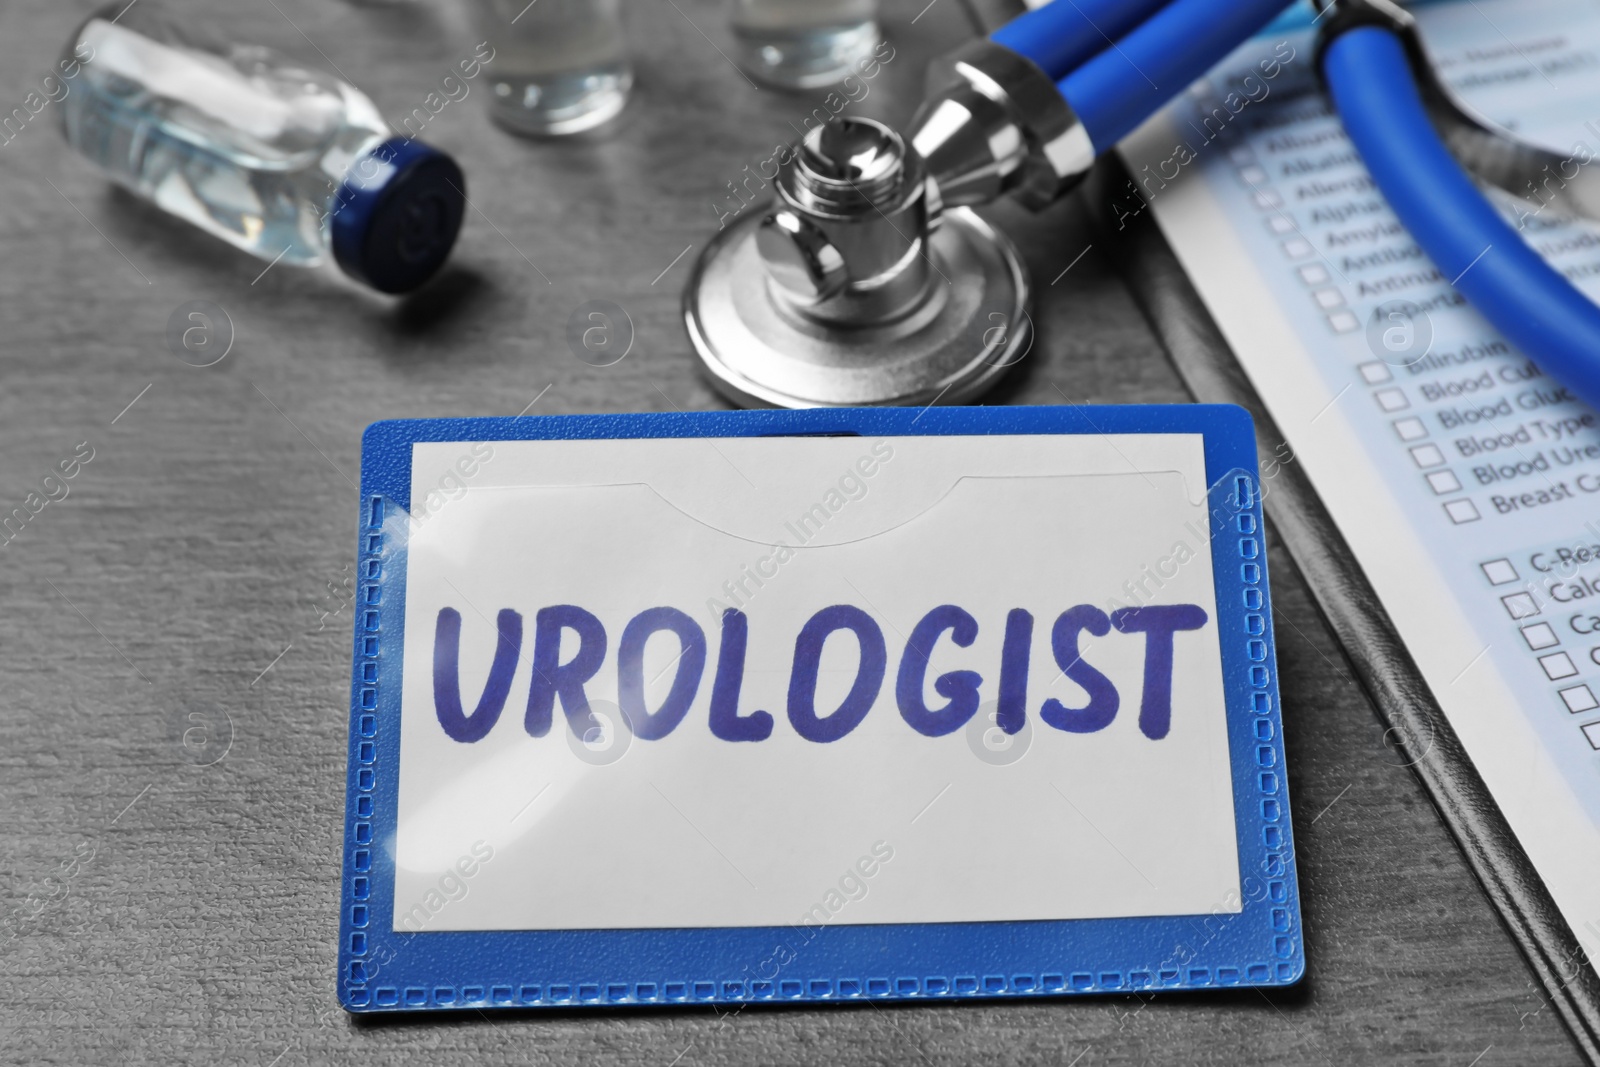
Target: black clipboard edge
pixel 1351 608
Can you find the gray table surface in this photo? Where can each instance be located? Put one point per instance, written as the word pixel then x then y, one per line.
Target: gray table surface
pixel 157 907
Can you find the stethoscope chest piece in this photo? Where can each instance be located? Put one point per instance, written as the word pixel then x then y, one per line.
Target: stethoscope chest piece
pixel 854 287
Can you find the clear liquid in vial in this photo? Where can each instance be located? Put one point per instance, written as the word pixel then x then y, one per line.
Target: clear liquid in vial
pixel 803 44
pixel 560 66
pixel 236 139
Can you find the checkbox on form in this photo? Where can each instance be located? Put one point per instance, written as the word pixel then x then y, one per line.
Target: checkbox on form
pixel 1579 698
pixel 1558 665
pixel 1426 456
pixel 1392 399
pixel 1442 482
pixel 1410 429
pixel 1499 571
pixel 1540 636
pixel 1520 605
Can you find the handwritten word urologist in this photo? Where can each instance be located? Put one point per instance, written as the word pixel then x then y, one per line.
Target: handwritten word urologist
pixel 556 682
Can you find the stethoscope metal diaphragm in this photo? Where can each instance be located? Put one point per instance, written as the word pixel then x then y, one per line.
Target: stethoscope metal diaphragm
pixel 856 287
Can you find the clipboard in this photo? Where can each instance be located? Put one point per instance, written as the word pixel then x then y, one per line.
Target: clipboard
pixel 1399 694
pixel 611 744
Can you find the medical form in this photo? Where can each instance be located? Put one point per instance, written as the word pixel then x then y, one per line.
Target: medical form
pixel 1466 481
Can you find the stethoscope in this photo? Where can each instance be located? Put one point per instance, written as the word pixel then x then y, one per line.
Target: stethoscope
pixel 869 280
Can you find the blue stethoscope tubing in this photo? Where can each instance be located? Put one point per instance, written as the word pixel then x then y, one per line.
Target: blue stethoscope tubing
pixel 1116 62
pixel 1533 305
pixel 1115 80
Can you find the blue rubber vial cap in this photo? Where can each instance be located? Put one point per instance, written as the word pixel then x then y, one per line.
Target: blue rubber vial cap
pixel 396 215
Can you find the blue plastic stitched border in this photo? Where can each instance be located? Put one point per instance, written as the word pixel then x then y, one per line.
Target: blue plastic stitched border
pixel 1260 945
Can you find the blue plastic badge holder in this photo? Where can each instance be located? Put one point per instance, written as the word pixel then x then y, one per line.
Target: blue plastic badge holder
pixel 388 965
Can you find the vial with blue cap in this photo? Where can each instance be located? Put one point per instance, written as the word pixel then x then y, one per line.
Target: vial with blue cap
pixel 289 163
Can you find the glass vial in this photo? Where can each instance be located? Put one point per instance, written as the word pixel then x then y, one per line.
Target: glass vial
pixel 803 44
pixel 560 66
pixel 289 163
